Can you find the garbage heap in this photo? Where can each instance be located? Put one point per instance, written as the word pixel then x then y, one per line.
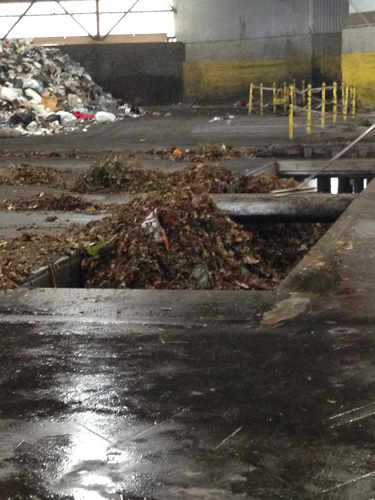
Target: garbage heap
pixel 43 91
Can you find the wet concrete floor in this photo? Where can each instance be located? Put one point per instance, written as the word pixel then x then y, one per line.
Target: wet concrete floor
pixel 175 395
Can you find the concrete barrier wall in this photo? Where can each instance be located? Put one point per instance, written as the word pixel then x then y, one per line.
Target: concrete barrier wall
pixel 141 73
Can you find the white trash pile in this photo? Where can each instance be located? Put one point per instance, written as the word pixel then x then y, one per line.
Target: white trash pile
pixel 44 92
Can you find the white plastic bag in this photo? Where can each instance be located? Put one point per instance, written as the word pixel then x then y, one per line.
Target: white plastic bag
pixel 30 83
pixel 104 117
pixel 33 95
pixel 7 94
pixel 67 119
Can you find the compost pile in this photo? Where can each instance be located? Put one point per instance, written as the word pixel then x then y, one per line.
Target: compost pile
pixel 179 240
pixel 28 252
pixel 264 183
pixel 44 201
pixel 205 178
pixel 176 241
pixel 205 153
pixel 24 174
pixel 126 175
pixel 43 91
pixel 120 174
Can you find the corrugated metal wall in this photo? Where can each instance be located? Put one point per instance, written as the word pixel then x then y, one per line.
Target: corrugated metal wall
pixel 218 20
pixel 362 6
pixel 329 15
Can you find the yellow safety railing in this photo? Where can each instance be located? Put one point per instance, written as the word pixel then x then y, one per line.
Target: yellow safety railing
pixel 323 101
pixel 324 95
pixel 334 102
pixel 291 111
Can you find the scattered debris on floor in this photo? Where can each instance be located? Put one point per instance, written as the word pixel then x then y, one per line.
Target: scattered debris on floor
pixel 178 240
pixel 205 153
pixel 43 92
pixel 44 201
pixel 24 174
pixel 28 252
pixel 43 154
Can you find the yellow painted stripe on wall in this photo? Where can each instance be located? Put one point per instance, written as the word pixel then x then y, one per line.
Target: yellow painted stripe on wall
pixel 216 79
pixel 328 67
pixel 359 69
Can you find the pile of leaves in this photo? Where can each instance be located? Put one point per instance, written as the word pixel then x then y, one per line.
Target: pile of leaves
pixel 263 183
pixel 119 174
pixel 24 174
pixel 190 244
pixel 204 153
pixel 44 201
pixel 28 252
pixel 4 153
pixel 195 246
pixel 205 178
pixel 124 174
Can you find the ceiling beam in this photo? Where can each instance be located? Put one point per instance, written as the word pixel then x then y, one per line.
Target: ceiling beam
pixel 19 19
pixel 122 17
pixel 74 19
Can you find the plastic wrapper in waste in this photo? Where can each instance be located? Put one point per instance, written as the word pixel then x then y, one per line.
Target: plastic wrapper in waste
pixel 8 94
pixel 33 95
pixel 151 226
pixel 104 117
pixel 66 119
pixel 30 83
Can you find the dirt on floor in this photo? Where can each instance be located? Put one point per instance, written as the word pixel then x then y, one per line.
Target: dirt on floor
pixel 44 201
pixel 205 153
pixel 27 175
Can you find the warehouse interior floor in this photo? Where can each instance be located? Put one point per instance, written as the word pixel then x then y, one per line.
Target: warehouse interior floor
pixel 188 128
pixel 161 395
